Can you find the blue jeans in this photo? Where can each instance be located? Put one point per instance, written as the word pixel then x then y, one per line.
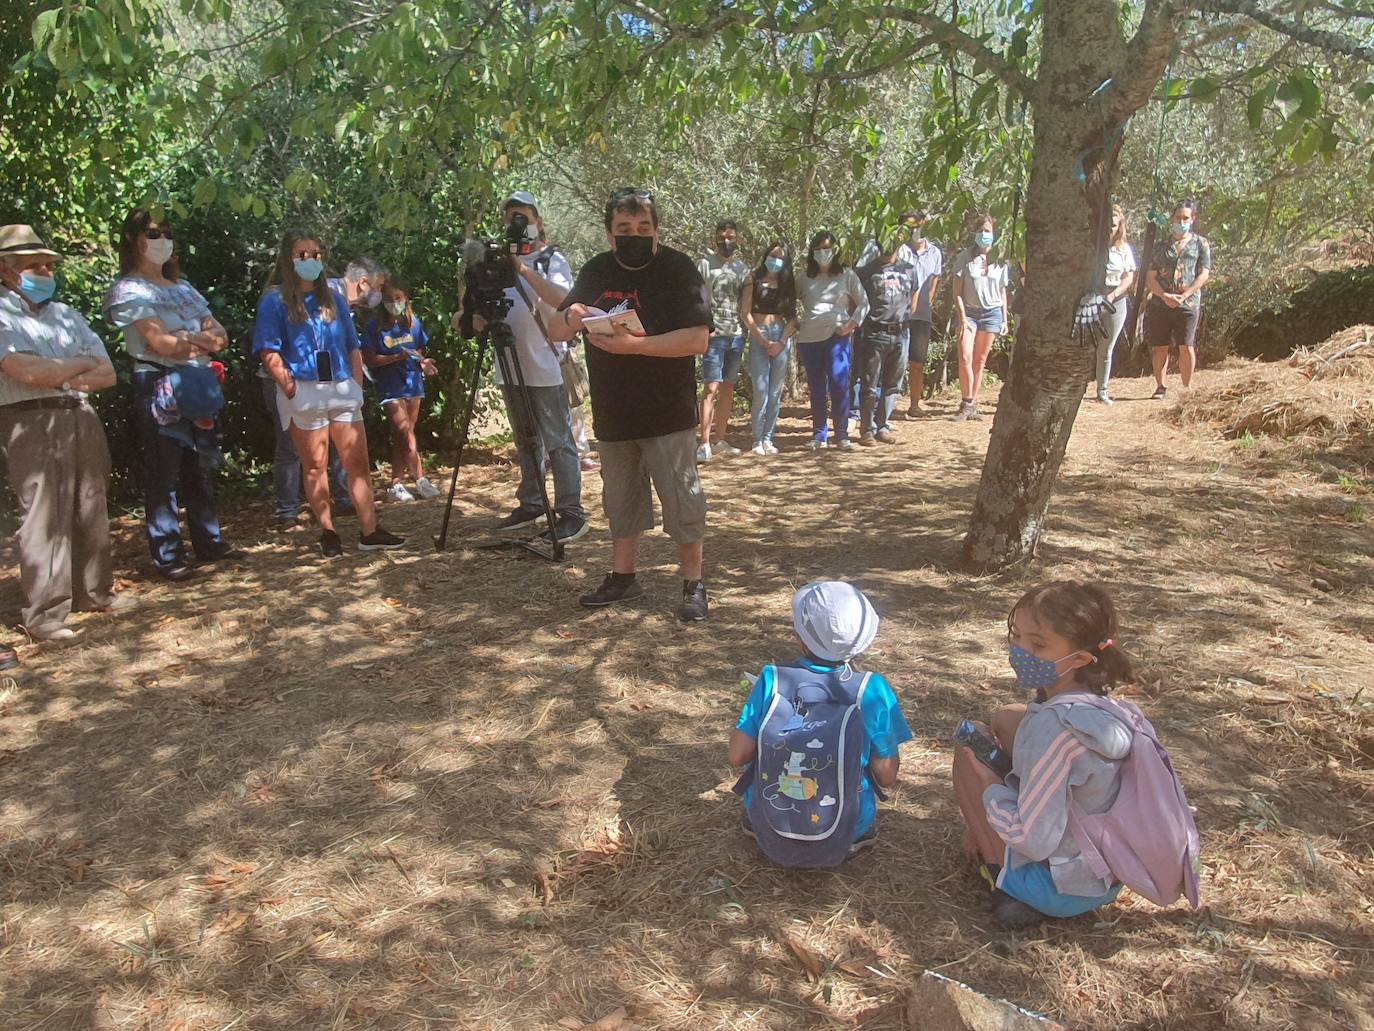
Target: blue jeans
pixel 552 436
pixel 720 363
pixel 172 476
pixel 827 380
pixel 768 375
pixel 286 466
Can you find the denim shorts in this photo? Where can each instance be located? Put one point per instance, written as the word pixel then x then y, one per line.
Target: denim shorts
pixel 985 320
pixel 1033 884
pixel 721 362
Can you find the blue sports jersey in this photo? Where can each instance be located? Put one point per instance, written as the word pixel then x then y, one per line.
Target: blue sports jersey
pixel 399 379
pixel 884 728
pixel 298 342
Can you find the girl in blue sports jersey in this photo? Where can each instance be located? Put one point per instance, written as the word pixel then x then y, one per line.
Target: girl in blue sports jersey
pixel 393 350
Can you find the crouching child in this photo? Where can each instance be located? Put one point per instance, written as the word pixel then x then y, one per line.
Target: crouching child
pixel 819 739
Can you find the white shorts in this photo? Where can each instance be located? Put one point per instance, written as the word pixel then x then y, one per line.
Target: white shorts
pixel 316 405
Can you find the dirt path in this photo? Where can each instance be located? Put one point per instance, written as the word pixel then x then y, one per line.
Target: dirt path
pixel 304 794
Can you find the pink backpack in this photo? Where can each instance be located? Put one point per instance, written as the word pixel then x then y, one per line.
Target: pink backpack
pixel 1147 840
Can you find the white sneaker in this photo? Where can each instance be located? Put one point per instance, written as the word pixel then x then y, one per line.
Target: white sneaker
pixel 703 452
pixel 426 489
pixel 845 445
pixel 398 492
pixel 759 450
pixel 768 448
pixel 816 445
pixel 724 447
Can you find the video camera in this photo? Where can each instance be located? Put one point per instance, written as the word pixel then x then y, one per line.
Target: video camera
pixel 491 264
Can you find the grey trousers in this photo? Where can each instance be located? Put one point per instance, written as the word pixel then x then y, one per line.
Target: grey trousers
pixel 59 467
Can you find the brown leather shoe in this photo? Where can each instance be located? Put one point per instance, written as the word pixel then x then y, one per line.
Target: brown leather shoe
pixel 887 437
pixel 867 441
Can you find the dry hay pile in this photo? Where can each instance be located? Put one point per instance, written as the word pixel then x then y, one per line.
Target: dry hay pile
pixel 1322 397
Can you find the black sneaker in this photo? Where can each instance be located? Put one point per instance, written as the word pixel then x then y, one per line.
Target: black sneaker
pixel 330 545
pixel 521 518
pixel 177 572
pixel 1011 914
pixel 380 540
pixel 568 527
pixel 610 592
pixel 694 606
pixel 1161 392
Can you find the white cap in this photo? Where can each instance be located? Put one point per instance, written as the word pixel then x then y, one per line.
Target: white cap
pixel 522 197
pixel 834 620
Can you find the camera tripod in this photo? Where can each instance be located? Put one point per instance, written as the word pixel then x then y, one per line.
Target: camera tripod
pixel 497 336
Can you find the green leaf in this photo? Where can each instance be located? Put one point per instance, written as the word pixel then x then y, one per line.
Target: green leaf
pixel 204 193
pixel 43 28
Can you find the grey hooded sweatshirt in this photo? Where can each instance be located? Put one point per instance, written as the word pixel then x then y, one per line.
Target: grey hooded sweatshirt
pixel 1062 752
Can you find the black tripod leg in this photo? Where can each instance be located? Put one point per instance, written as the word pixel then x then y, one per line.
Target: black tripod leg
pixel 482 341
pixel 512 374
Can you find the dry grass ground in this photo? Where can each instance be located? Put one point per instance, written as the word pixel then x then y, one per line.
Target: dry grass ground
pixel 428 791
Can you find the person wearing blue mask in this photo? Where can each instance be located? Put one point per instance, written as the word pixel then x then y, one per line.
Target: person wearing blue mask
pixel 1179 268
pixel 980 310
pixel 52 441
pixel 768 307
pixel 308 344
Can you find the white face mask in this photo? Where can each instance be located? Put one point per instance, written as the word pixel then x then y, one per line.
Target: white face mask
pixel 396 307
pixel 159 252
pixel 824 255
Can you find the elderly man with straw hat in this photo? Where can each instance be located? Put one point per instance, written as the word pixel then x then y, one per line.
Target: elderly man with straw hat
pixel 52 440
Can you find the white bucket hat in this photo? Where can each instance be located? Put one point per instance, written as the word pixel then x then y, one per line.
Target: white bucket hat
pixel 835 620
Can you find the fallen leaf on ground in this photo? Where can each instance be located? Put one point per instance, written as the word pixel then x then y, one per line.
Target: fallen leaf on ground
pixel 392 603
pixel 811 962
pixel 228 922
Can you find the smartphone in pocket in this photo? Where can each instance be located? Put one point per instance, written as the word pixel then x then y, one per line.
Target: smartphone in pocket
pixel 984 748
pixel 324 366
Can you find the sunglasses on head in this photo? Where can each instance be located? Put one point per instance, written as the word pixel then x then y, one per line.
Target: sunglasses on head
pixel 625 192
pixel 158 234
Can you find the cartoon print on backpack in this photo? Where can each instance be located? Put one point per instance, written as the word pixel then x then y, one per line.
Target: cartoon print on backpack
pixel 793 784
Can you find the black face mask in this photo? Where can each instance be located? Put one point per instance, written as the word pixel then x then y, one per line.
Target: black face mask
pixel 634 252
pixel 727 248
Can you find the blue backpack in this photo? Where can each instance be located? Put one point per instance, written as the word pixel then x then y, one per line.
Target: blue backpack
pixel 805 801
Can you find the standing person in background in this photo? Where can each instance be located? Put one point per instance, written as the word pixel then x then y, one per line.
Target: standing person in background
pixel 833 304
pixel 769 305
pixel 1117 282
pixel 909 221
pixel 547 278
pixel 927 262
pixel 724 272
pixel 980 308
pixel 1179 268
pixel 167 326
pixel 644 394
pixel 891 289
pixel 53 443
pixel 393 348
pixel 361 286
pixel 308 344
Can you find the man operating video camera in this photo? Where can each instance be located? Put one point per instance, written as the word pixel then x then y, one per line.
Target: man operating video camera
pixel 542 277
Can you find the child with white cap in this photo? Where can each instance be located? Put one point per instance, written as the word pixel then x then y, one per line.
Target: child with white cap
pixel 819 736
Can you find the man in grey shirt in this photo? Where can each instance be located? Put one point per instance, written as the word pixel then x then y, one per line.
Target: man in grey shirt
pixel 52 440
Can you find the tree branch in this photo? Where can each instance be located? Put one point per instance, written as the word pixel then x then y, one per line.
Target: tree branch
pixel 1147 57
pixel 904 54
pixel 942 31
pixel 1332 42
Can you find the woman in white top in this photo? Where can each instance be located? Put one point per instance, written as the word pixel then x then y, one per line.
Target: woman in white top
pixel 1120 276
pixel 833 302
pixel 980 305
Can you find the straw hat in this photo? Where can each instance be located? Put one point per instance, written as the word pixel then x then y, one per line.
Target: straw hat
pixel 22 240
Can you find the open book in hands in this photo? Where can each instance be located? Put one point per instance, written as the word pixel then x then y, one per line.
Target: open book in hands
pixel 606 323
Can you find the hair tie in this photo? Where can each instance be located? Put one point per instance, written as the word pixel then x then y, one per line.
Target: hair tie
pixel 1105 645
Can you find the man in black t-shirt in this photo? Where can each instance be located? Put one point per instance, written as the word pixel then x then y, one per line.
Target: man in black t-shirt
pixel 892 296
pixel 643 392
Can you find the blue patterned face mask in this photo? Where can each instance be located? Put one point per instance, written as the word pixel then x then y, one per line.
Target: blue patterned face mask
pixel 1033 673
pixel 773 264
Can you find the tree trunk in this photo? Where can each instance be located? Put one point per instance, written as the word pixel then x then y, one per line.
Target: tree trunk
pixel 1049 368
